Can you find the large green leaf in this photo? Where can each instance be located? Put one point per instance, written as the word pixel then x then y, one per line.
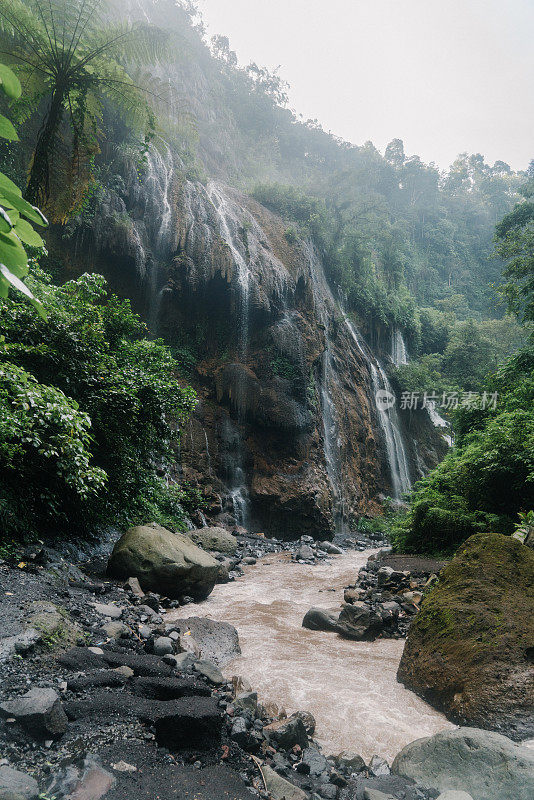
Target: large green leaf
pixel 10 83
pixel 6 223
pixel 29 211
pixel 7 131
pixel 24 231
pixel 12 279
pixel 13 254
pixel 6 183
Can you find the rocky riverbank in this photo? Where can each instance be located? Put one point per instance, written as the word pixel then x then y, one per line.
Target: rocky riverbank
pixel 103 697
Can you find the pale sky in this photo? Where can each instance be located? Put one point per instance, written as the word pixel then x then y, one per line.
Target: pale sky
pixel 445 76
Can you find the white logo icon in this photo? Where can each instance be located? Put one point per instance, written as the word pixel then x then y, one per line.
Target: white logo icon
pixel 384 400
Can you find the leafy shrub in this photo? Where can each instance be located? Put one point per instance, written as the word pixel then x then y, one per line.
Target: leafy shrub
pixel 486 480
pixel 104 401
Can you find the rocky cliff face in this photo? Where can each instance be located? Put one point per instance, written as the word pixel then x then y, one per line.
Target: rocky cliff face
pixel 287 437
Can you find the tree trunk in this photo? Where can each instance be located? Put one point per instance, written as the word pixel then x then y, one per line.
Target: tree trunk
pixel 38 189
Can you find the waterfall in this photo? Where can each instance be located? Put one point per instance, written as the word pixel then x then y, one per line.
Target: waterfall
pixel 332 445
pixel 229 230
pixel 229 227
pixel 157 221
pixel 438 421
pixel 388 418
pixel 399 353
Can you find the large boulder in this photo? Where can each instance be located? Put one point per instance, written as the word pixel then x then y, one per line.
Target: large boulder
pixel 16 785
pixel 164 562
pixel 321 619
pixel 40 712
pixel 217 641
pixel 470 651
pixel 359 621
pixel 485 764
pixel 216 539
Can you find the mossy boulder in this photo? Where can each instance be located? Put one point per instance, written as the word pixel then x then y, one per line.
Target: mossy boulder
pixel 214 539
pixel 164 562
pixel 470 651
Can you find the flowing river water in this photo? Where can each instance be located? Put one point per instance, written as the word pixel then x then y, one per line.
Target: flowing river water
pixel 350 687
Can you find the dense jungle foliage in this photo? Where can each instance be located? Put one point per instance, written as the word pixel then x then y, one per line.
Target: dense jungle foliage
pixel 487 479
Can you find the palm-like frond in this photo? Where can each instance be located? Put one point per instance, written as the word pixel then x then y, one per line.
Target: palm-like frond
pixel 67 50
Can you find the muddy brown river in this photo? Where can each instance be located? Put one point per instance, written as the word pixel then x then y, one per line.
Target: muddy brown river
pixel 350 687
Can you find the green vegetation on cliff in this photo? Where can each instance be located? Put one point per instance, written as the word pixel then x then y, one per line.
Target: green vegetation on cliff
pixel 488 477
pixel 90 411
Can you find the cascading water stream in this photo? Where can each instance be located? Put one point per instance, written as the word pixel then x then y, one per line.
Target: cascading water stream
pixel 332 449
pixel 399 352
pixel 389 419
pixel 229 227
pixel 158 219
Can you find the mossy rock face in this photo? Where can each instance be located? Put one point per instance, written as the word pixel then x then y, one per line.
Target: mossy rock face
pixel 470 651
pixel 214 539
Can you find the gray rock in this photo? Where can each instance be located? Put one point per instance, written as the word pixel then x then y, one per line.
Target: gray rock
pixel 16 785
pixel 116 630
pixel 305 553
pixel 287 732
pixel 39 711
pixel 217 641
pixel 484 764
pixel 374 794
pixel 328 791
pixel 249 561
pixel 280 789
pixel 165 562
pixel 359 621
pixel 133 585
pixel 239 732
pixel 351 761
pixel 331 549
pixel 182 661
pixel 163 646
pixel 321 619
pixel 452 795
pixel 214 539
pixel 21 643
pixel 379 766
pixel 210 671
pixel 308 720
pixel 247 701
pixel 315 761
pixel 108 610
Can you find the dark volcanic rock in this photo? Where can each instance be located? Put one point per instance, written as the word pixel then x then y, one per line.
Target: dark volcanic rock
pixel 359 621
pixel 105 677
pixel 142 664
pixel 191 722
pixel 470 650
pixel 287 732
pixel 188 722
pixel 169 688
pixel 40 712
pixel 321 619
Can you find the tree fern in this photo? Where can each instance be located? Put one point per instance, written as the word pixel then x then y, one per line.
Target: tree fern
pixel 71 59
